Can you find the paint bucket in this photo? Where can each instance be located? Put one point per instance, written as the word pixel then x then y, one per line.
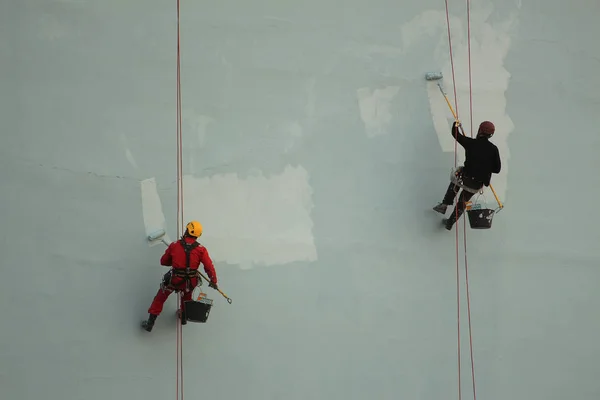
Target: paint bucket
pixel 480 218
pixel 198 311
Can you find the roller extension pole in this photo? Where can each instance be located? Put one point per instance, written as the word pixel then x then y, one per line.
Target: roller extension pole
pixel 496 196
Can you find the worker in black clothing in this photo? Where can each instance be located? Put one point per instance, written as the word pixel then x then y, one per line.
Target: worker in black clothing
pixel 482 159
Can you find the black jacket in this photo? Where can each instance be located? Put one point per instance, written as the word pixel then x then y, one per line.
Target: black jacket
pixel 482 157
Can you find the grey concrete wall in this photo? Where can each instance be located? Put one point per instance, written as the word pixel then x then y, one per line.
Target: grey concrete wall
pixel 314 151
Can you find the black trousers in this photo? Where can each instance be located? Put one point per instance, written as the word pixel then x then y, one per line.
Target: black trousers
pixel 449 197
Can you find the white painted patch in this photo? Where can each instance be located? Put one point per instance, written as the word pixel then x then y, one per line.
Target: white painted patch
pixel 256 220
pixel 154 219
pixel 489 47
pixel 375 109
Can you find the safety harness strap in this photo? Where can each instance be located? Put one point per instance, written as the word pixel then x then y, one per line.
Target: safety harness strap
pixel 188 247
pixel 186 274
pixel 465 182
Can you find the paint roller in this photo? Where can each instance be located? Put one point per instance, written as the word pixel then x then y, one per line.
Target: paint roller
pixel 433 76
pixel 437 76
pixel 158 235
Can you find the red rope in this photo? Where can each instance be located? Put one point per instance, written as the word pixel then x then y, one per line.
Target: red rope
pixel 453 75
pixel 469 312
pixel 458 313
pixel 180 327
pixel 465 222
pixel 178 330
pixel 179 333
pixel 179 135
pixel 469 64
pixel 456 213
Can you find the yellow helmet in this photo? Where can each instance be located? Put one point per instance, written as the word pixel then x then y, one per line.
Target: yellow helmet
pixel 194 228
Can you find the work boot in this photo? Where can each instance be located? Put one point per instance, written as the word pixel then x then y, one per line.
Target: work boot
pixel 447 223
pixel 149 323
pixel 450 221
pixel 441 208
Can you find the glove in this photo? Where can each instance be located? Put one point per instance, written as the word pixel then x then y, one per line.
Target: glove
pixel 213 285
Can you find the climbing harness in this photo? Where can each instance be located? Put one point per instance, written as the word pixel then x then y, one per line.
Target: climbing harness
pixel 465 182
pixel 186 275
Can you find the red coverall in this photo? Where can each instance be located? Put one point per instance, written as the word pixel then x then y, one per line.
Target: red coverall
pixel 175 257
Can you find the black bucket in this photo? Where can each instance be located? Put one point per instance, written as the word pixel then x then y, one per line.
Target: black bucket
pixel 197 311
pixel 481 218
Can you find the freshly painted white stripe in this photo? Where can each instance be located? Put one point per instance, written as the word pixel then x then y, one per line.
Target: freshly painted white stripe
pixel 154 218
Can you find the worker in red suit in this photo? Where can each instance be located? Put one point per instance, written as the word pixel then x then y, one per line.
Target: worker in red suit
pixel 184 257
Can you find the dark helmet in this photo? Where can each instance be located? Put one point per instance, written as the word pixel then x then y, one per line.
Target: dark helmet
pixel 486 129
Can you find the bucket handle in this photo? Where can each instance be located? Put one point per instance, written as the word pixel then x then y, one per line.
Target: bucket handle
pixel 476 201
pixel 481 193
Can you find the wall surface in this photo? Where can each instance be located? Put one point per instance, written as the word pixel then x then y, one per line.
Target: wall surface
pixel 313 152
